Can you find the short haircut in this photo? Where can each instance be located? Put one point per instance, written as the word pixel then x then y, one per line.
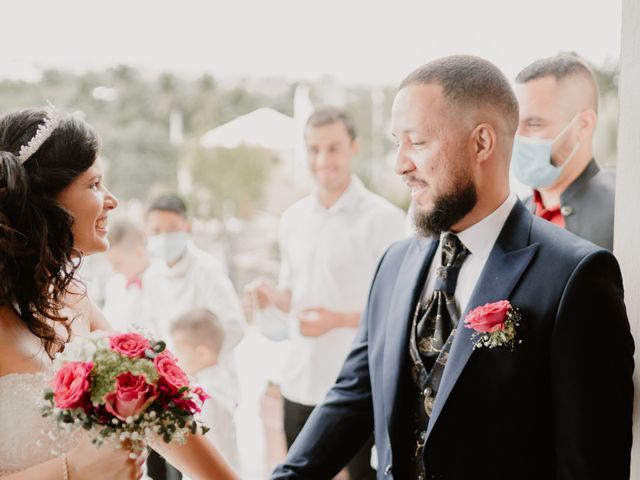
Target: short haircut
pixel 126 233
pixel 169 203
pixel 561 67
pixel 201 327
pixel 469 82
pixel 329 116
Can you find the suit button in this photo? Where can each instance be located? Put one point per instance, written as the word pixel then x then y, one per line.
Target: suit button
pixel 566 210
pixel 387 470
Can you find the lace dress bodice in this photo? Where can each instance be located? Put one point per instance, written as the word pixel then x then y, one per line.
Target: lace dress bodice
pixel 26 437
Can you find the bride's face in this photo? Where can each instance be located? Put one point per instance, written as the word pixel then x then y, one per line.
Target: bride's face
pixel 89 202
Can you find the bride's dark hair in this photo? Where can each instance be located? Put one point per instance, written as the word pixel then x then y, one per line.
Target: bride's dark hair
pixel 37 258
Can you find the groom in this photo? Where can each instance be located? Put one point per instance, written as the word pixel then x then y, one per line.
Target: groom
pixel 548 394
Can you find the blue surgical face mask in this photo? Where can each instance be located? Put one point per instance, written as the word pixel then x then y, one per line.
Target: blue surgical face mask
pixel 531 159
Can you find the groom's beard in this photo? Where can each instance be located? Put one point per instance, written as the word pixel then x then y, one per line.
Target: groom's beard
pixel 448 209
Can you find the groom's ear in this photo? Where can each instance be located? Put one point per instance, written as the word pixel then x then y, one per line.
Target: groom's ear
pixel 482 142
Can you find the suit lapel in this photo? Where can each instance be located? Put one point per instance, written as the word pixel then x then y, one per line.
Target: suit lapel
pixel 507 262
pixel 406 290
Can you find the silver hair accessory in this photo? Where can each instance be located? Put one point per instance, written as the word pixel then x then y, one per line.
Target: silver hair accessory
pixel 51 121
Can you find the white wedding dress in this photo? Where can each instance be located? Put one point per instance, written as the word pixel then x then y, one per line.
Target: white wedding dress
pixel 26 437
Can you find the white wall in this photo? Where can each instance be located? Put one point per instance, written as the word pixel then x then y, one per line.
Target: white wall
pixel 627 219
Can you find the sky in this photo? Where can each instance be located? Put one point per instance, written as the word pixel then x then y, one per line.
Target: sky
pixel 369 42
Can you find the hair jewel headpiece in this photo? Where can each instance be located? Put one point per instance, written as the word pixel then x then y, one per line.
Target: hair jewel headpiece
pixel 44 131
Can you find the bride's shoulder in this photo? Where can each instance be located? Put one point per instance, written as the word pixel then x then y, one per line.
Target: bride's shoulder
pixel 88 316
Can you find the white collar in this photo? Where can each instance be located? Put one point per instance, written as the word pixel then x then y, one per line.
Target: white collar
pixel 480 237
pixel 346 201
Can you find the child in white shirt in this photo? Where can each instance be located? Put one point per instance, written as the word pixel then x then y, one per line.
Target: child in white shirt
pixel 198 336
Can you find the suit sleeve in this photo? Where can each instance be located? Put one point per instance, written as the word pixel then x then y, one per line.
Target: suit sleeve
pixel 340 425
pixel 591 370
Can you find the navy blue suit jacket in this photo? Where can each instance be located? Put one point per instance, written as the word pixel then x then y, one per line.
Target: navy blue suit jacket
pixel 559 406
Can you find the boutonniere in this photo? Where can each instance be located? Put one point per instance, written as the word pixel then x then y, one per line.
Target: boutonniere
pixel 495 325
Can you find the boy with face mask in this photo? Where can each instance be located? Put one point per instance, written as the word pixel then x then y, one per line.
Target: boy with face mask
pixel 552 151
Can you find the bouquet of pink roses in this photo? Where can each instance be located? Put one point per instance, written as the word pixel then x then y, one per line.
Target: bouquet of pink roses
pixel 124 387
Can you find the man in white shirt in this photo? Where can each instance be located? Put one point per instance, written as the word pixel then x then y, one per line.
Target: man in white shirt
pixel 491 337
pixel 330 243
pixel 188 278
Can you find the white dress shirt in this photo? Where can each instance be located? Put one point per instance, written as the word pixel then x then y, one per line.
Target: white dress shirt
pixel 217 412
pixel 329 257
pixel 124 303
pixel 479 240
pixel 197 280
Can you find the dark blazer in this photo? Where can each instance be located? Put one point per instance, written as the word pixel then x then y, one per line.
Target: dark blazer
pixel 588 205
pixel 558 406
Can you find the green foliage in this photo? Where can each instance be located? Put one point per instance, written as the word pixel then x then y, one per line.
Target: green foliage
pixel 224 176
pixel 133 120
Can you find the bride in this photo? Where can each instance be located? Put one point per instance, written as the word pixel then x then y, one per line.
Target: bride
pixel 54 209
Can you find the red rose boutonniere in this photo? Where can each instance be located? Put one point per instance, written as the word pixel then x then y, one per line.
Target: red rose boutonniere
pixel 495 324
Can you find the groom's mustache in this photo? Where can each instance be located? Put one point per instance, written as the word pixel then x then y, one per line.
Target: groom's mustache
pixel 413 181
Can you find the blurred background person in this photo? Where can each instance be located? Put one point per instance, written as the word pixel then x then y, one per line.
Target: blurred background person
pixel 124 299
pixel 330 244
pixel 198 337
pixel 553 151
pixel 185 278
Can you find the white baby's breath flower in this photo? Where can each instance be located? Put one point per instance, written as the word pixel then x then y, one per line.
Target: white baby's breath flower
pixel 78 350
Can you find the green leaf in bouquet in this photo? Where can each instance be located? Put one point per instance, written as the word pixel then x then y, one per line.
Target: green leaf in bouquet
pixel 205 429
pixel 150 354
pixel 166 437
pixel 48 394
pixel 182 390
pixel 194 428
pixel 159 347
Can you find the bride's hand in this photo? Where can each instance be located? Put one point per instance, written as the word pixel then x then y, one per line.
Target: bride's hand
pixel 104 463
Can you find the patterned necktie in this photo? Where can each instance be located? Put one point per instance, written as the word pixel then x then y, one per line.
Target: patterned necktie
pixel 431 338
pixel 441 314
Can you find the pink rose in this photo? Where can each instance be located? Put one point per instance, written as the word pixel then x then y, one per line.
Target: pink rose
pixel 488 318
pixel 170 373
pixel 132 396
pixel 132 345
pixel 71 384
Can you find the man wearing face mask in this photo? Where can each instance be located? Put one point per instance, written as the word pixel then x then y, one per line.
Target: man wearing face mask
pixel 188 278
pixel 552 151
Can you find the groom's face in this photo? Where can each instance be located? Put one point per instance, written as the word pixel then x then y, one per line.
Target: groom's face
pixel 432 137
